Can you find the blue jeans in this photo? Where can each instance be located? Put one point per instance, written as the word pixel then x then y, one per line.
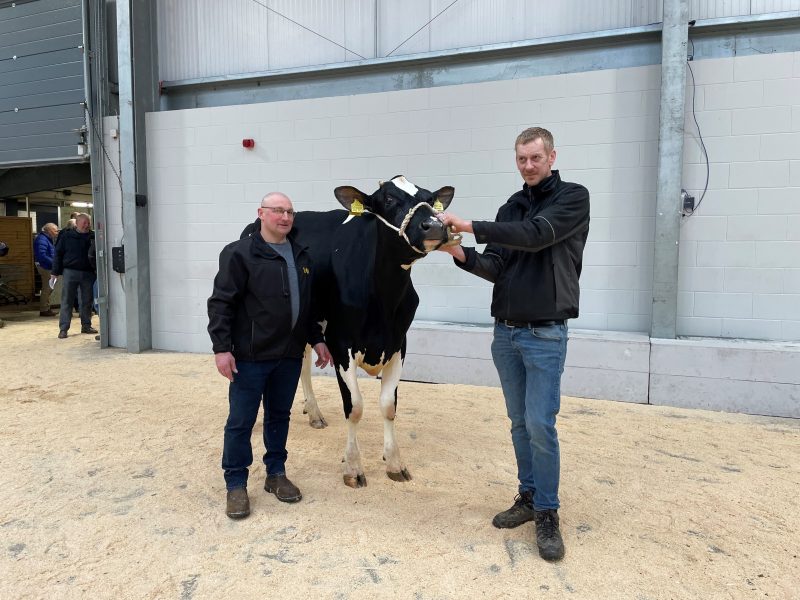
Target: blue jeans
pixel 529 362
pixel 276 382
pixel 73 281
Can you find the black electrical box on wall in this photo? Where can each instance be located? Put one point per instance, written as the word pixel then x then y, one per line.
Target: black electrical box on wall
pixel 118 259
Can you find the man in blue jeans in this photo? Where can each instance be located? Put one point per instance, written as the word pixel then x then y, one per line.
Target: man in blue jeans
pixel 74 264
pixel 260 320
pixel 533 257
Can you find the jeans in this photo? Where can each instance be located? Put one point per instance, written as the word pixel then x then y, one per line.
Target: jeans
pixel 276 382
pixel 530 362
pixel 71 281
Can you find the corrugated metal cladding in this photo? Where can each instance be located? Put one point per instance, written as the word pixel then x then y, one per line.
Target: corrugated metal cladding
pixel 41 82
pixel 207 38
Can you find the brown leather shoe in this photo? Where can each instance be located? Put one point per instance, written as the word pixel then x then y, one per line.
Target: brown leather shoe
pixel 62 334
pixel 238 505
pixel 284 490
pixel 88 329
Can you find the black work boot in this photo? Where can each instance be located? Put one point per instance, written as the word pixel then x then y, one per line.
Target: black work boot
pixel 238 504
pixel 548 536
pixel 284 490
pixel 520 513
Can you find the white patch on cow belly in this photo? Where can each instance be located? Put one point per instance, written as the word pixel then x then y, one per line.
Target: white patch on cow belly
pixel 405 185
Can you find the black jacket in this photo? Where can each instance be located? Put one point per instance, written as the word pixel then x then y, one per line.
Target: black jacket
pixel 534 251
pixel 250 312
pixel 72 251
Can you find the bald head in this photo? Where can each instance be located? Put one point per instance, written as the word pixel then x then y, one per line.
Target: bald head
pixel 274 198
pixel 277 215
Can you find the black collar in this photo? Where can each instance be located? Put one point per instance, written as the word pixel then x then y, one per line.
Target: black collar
pixel 544 187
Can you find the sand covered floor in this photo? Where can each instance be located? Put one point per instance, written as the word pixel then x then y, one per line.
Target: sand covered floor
pixel 112 489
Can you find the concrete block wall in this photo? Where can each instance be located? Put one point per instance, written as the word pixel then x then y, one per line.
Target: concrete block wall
pixel 739 259
pixel 740 264
pixel 753 377
pixel 204 186
pixel 740 252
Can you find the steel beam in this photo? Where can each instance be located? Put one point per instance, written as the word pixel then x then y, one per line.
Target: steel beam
pixel 674 38
pixel 95 69
pixel 138 94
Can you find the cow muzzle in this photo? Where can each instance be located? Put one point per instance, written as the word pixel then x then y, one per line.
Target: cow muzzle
pixel 435 234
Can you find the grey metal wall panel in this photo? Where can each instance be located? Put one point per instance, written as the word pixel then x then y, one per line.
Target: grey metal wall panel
pixel 72 112
pixel 41 82
pixel 198 37
pixel 397 20
pixel 42 73
pixel 770 6
pixel 360 28
pixel 717 9
pixel 211 38
pixel 293 46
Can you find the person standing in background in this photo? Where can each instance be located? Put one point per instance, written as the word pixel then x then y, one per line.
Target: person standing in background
pixel 73 263
pixel 44 251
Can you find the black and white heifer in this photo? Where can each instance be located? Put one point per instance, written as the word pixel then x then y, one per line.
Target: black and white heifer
pixel 362 260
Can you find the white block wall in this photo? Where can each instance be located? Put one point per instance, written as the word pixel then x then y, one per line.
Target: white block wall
pixel 740 264
pixel 740 252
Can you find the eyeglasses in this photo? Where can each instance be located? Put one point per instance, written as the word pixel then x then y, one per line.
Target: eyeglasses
pixel 277 210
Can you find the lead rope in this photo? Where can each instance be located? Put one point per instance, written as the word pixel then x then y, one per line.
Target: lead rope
pixel 401 231
pixel 452 238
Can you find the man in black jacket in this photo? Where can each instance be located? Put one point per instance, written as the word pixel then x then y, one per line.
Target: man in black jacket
pixel 533 257
pixel 72 261
pixel 260 320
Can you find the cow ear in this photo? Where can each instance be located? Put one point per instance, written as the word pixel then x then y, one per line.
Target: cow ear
pixel 444 195
pixel 347 194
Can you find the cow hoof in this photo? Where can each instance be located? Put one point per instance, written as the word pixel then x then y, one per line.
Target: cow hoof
pixel 358 481
pixel 319 424
pixel 403 475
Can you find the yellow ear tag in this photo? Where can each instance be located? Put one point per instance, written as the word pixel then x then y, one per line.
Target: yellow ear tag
pixel 438 206
pixel 356 208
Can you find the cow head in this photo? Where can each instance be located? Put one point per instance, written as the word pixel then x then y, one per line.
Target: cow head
pixel 409 210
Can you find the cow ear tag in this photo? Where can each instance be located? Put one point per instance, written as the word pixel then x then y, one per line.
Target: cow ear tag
pixel 356 208
pixel 438 206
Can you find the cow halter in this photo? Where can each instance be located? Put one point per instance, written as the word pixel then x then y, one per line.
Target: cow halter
pixel 401 231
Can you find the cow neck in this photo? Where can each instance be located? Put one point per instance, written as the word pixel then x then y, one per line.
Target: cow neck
pixel 401 231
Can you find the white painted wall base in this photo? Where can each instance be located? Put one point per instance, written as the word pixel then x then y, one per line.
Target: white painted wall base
pixel 728 375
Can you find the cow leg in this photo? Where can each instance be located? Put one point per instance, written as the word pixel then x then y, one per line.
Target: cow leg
pixel 353 410
pixel 395 469
pixel 310 406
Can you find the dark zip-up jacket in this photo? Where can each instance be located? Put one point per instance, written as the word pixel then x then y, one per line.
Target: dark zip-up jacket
pixel 534 251
pixel 72 251
pixel 250 311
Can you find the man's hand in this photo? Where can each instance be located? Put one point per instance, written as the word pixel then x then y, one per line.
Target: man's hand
pixel 456 224
pixel 456 252
pixel 324 357
pixel 226 365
